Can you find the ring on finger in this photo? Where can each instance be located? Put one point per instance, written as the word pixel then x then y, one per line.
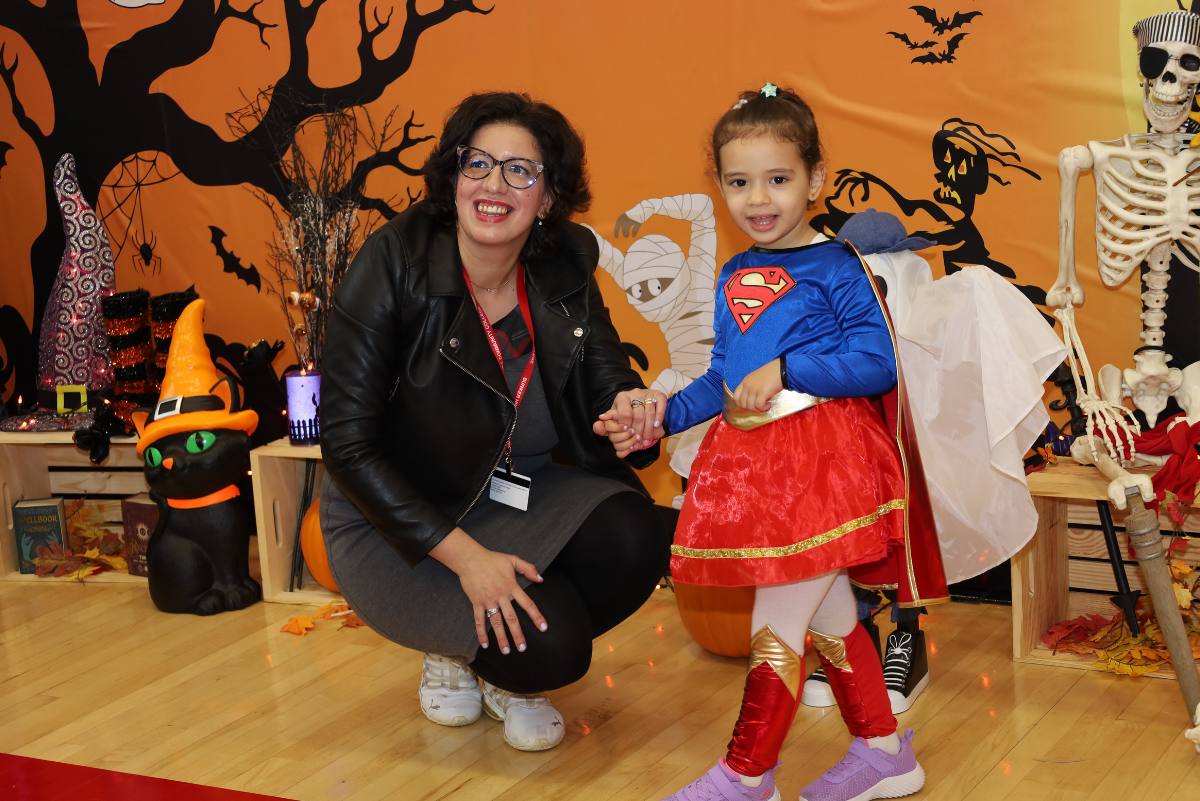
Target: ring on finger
pixel 491 611
pixel 636 403
pixel 650 401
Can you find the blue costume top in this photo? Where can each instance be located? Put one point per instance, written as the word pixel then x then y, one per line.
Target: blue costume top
pixel 813 304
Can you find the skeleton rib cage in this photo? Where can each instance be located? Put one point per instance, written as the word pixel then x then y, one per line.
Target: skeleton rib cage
pixel 1140 206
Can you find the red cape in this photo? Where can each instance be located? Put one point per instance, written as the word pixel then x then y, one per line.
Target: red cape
pixel 914 567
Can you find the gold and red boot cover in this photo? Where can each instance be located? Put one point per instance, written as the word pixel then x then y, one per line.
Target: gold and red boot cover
pixel 769 704
pixel 856 678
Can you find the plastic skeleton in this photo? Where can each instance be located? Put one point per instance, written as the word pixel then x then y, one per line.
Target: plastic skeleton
pixel 668 288
pixel 1147 201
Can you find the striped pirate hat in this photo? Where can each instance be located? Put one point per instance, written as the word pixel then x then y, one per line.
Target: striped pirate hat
pixel 1171 26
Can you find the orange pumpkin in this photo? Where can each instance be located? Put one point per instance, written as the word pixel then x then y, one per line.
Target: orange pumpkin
pixel 718 618
pixel 312 545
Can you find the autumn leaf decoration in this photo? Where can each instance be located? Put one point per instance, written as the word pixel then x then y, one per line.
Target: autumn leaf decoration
pixel 298 624
pixel 54 560
pixel 1109 640
pixel 303 624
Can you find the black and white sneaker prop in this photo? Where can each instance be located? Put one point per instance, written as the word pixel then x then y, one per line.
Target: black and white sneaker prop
pixel 817 692
pixel 905 669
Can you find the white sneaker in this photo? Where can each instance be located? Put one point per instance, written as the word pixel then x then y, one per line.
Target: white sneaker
pixel 449 693
pixel 531 723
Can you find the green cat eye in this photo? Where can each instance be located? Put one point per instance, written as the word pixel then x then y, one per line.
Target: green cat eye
pixel 153 457
pixel 200 441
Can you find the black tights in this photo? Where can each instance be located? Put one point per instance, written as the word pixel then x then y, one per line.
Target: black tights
pixel 602 576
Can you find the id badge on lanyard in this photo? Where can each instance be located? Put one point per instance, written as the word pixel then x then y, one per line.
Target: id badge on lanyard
pixel 508 487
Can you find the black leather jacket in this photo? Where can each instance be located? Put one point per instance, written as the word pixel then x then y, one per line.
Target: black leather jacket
pixel 414 411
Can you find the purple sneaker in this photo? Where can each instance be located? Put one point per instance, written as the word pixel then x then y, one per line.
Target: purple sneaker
pixel 722 784
pixel 866 773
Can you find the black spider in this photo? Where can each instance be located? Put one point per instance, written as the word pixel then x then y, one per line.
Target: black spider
pixel 144 258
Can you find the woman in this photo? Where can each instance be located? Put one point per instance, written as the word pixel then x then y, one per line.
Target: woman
pixel 470 339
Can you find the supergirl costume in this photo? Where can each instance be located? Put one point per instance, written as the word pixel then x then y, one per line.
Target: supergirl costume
pixel 826 479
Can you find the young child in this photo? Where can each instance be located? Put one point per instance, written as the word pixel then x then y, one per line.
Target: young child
pixel 806 473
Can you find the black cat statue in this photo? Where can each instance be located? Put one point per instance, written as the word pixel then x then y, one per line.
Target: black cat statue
pixel 196 448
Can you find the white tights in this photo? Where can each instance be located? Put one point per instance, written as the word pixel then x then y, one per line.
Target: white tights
pixel 825 603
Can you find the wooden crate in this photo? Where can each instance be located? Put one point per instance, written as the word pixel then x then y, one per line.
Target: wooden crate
pixel 1051 575
pixel 38 465
pixel 278 476
pixel 1089 572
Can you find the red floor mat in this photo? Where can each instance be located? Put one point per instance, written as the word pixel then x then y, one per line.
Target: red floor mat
pixel 26 779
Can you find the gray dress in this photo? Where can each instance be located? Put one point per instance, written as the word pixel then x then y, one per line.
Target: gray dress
pixel 423 606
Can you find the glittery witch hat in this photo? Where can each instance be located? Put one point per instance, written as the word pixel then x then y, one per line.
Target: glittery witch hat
pixel 73 362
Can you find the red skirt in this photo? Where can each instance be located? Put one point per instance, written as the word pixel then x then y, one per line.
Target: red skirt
pixel 815 491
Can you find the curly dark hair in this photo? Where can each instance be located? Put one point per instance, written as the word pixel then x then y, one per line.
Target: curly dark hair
pixel 561 149
pixel 784 116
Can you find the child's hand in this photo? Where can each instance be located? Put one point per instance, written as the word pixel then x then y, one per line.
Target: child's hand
pixel 757 389
pixel 623 440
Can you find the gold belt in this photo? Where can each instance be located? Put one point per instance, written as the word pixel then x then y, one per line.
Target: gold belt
pixel 786 402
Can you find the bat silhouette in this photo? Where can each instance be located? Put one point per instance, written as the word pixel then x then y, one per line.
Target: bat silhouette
pixel 230 263
pixel 944 57
pixel 911 44
pixel 4 148
pixel 942 24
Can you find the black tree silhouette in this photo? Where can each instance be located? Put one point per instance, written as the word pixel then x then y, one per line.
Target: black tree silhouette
pixel 151 121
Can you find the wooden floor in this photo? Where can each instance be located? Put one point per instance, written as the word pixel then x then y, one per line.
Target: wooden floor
pixel 94 675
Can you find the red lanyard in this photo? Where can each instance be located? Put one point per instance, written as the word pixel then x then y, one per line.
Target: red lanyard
pixel 523 303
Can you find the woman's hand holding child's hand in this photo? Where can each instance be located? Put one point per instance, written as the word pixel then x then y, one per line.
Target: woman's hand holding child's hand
pixel 635 421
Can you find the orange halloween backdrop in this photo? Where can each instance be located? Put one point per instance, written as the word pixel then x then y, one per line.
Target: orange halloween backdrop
pixel 142 91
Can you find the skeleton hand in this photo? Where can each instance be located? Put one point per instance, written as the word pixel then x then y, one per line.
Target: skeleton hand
pixel 1109 424
pixel 1117 487
pixel 1062 295
pixel 626 226
pixel 1086 451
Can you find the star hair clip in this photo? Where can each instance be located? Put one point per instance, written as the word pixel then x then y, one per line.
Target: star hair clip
pixel 771 90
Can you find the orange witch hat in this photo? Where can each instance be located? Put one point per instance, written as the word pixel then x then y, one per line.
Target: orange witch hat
pixel 194 397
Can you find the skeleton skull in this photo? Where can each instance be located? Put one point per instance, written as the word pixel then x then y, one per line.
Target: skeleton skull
pixel 1170 73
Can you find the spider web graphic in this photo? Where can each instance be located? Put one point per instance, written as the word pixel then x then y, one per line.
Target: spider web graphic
pixel 122 195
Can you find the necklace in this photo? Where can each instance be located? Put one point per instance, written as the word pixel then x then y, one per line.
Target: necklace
pixel 498 287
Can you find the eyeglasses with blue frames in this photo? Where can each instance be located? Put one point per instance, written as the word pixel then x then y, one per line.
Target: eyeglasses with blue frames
pixel 478 164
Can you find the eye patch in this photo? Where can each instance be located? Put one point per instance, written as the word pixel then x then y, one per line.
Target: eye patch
pixel 1153 60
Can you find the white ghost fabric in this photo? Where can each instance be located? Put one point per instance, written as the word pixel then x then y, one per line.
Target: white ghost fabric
pixel 974 353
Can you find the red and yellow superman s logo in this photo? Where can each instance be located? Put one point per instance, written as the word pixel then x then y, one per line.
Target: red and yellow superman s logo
pixel 751 290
